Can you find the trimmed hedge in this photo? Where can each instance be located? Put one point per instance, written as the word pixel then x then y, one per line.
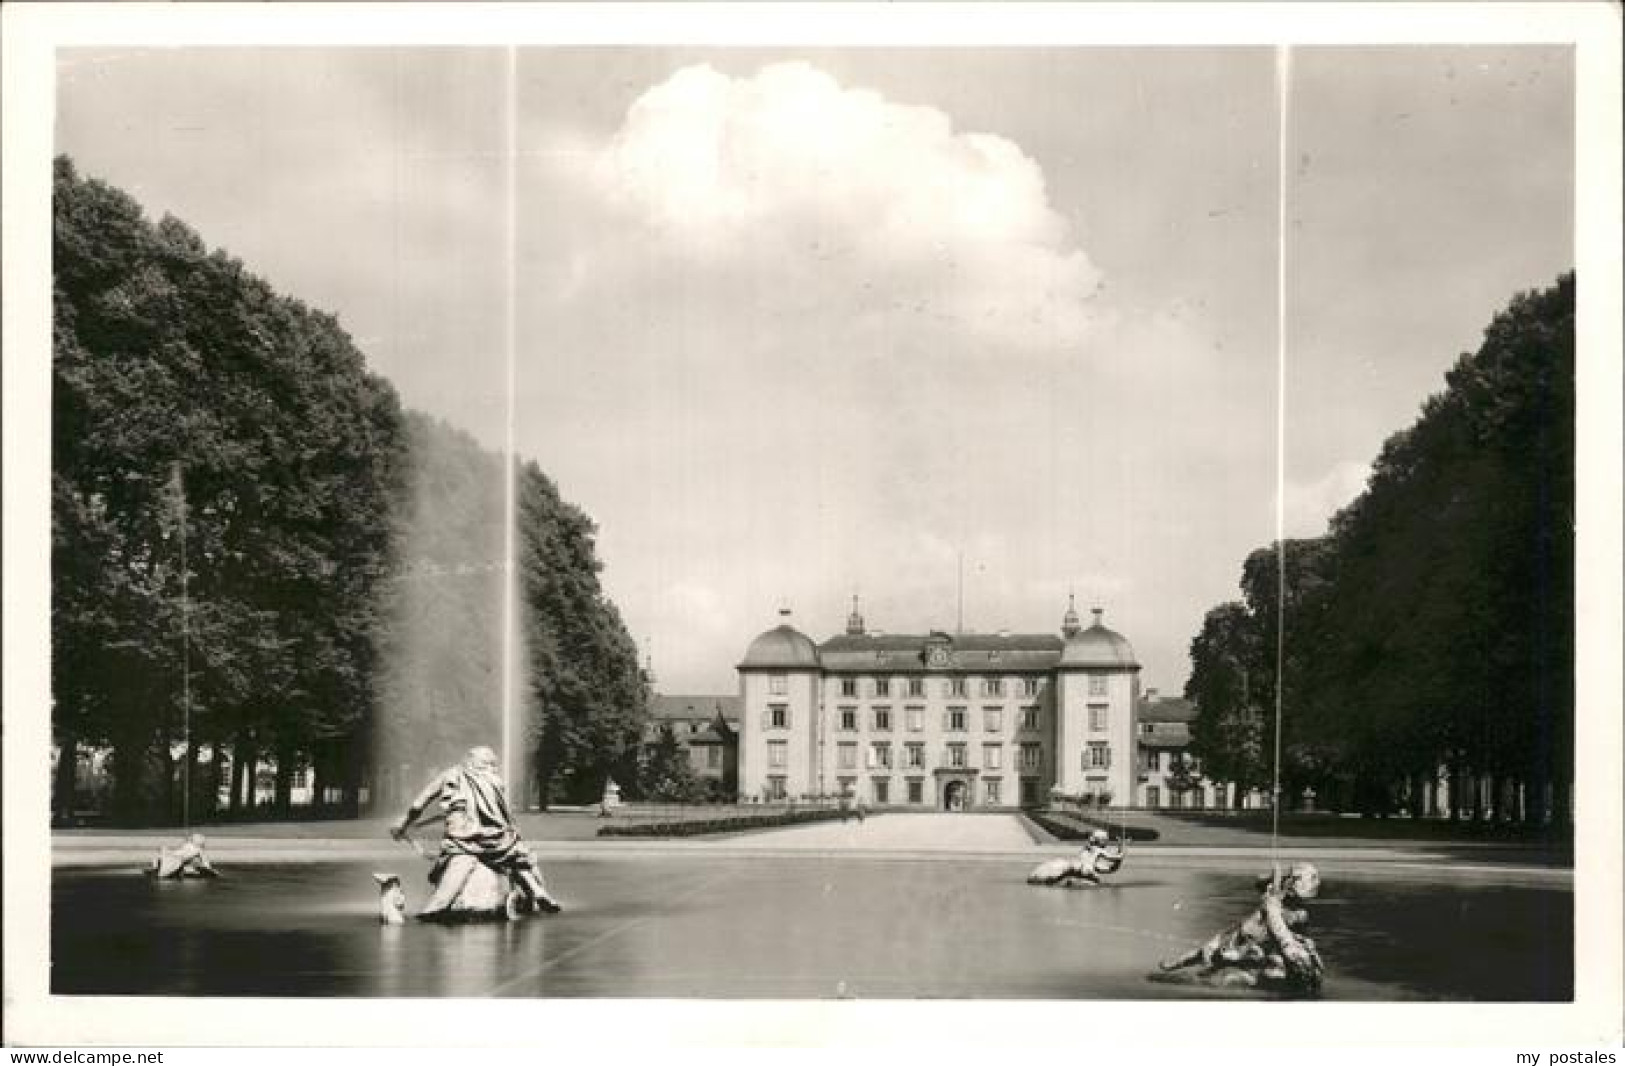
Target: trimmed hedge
pixel 729 824
pixel 1073 826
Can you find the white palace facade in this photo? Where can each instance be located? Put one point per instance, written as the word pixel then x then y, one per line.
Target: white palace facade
pixel 945 721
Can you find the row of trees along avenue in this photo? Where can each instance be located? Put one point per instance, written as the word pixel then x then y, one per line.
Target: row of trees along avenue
pixel 259 559
pixel 1429 634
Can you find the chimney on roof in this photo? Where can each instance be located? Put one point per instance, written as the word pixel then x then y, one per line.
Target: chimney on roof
pixel 1097 612
pixel 1150 695
pixel 1004 634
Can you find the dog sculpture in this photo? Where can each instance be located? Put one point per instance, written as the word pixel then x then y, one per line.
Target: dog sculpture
pixel 391 900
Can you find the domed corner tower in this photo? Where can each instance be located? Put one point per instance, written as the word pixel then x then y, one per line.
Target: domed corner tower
pixel 778 714
pixel 1097 689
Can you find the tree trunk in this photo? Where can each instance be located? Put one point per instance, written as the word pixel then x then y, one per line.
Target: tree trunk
pixel 235 803
pixel 352 759
pixel 129 779
pixel 243 772
pixel 216 778
pixel 1500 809
pixel 318 777
pixel 169 801
pixel 282 801
pixel 67 778
pixel 189 782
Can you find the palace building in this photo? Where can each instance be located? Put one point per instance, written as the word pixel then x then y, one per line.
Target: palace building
pixel 945 721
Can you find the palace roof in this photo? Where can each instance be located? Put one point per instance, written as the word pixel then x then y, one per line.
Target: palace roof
pixel 783 646
pixel 686 708
pixel 907 652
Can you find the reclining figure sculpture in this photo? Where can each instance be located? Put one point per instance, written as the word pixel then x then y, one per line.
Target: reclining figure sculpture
pixel 185 860
pixel 1097 858
pixel 483 871
pixel 1267 949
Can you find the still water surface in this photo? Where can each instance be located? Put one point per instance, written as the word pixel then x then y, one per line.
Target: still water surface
pixel 768 928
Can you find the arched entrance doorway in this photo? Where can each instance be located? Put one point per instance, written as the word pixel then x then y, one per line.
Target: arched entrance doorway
pixel 953 796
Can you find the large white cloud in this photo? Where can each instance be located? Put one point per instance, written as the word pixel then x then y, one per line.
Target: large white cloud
pixel 874 210
pixel 829 343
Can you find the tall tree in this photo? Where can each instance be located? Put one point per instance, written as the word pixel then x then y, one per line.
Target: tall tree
pixel 589 694
pixel 200 419
pixel 665 774
pixel 1228 732
pixel 1433 627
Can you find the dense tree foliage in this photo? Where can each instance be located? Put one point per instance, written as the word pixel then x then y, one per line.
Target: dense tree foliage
pixel 588 691
pixel 1432 628
pixel 259 558
pixel 1228 733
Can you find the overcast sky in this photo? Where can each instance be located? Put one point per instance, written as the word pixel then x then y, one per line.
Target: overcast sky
pixel 798 324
